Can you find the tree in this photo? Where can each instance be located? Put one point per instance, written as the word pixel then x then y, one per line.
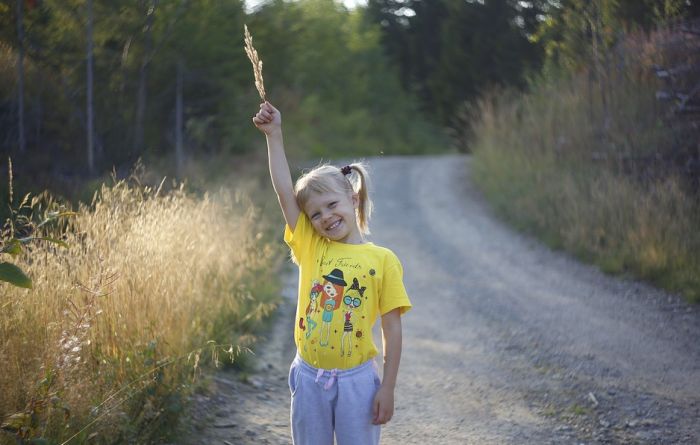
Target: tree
pixel 20 76
pixel 150 6
pixel 179 150
pixel 450 52
pixel 578 32
pixel 90 127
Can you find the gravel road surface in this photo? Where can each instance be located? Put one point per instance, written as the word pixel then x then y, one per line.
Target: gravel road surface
pixel 508 342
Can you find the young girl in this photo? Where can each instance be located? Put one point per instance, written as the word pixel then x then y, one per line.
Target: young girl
pixel 345 282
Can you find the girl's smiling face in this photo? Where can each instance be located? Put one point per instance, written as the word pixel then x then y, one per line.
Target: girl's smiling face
pixel 332 215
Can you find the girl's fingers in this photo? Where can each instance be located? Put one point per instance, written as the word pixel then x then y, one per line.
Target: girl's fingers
pixel 265 115
pixel 375 409
pixel 267 106
pixel 258 119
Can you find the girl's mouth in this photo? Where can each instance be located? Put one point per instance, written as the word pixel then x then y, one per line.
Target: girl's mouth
pixel 334 225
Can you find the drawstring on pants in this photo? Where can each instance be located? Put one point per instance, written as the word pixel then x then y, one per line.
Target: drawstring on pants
pixel 331 379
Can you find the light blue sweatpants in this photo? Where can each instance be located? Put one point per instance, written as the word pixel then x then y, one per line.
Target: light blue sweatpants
pixel 328 401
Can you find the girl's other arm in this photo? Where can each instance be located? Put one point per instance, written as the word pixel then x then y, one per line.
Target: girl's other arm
pixel 383 408
pixel 269 121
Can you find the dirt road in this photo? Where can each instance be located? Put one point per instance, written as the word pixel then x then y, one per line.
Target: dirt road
pixel 508 342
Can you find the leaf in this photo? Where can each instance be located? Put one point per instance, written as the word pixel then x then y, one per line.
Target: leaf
pixel 54 215
pixel 14 275
pixel 43 238
pixel 13 247
pixel 15 422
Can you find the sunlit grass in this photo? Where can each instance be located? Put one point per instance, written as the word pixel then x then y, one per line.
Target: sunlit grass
pixel 117 322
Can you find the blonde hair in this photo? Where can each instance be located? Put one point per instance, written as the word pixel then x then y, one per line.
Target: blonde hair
pixel 328 178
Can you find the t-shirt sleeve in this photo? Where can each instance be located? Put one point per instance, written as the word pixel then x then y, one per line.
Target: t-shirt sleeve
pixel 301 239
pixel 393 291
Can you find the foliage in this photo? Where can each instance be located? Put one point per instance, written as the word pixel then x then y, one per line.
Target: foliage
pixel 450 52
pixel 321 60
pixel 105 346
pixel 341 95
pixel 19 230
pixel 577 32
pixel 591 166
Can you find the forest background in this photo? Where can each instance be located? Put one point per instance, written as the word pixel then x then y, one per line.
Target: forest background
pixel 102 84
pixel 560 101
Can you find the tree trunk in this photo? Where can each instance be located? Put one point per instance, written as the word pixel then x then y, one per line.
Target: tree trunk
pixel 179 152
pixel 20 76
pixel 90 111
pixel 143 80
pixel 37 116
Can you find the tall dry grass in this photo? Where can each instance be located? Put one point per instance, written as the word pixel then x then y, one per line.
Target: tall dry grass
pixel 116 323
pixel 579 162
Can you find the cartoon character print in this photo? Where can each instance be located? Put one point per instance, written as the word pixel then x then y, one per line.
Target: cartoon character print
pixel 352 300
pixel 333 287
pixel 316 290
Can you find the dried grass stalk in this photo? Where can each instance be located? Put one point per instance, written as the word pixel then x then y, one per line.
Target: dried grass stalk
pixel 257 63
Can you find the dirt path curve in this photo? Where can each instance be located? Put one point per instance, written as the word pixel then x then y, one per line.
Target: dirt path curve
pixel 508 341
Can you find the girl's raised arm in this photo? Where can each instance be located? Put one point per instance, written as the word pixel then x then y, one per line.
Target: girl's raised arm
pixel 269 121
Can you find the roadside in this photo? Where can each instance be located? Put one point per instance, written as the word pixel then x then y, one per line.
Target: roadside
pixel 508 341
pixel 239 410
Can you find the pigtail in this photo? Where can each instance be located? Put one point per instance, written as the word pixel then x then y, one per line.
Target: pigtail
pixel 364 209
pixel 325 177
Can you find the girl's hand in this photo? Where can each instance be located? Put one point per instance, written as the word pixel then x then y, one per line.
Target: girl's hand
pixel 268 119
pixel 383 406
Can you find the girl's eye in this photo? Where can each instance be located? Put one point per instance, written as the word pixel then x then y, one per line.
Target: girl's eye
pixel 315 215
pixel 331 205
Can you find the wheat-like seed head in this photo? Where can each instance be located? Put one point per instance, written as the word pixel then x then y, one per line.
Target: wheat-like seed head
pixel 9 176
pixel 257 63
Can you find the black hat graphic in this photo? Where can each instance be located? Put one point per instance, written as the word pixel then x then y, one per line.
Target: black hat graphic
pixel 336 277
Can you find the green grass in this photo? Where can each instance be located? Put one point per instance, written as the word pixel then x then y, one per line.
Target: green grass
pixel 579 410
pixel 537 159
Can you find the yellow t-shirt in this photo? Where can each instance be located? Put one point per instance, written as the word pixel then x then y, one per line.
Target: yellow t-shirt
pixel 342 289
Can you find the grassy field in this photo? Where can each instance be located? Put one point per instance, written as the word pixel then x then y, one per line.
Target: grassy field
pixel 152 285
pixel 579 163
